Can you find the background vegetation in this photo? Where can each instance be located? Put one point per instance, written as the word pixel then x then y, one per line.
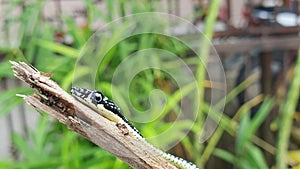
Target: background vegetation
pixel 51 145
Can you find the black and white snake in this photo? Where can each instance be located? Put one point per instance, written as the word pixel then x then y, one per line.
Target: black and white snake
pixel 105 107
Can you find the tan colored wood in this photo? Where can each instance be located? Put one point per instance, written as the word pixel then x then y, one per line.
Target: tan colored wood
pixel 53 100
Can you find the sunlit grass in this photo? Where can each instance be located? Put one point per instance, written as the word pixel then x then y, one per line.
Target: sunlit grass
pixel 287 112
pixel 51 145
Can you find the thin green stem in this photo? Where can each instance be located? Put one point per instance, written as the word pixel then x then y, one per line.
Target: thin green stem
pixel 204 53
pixel 287 113
pixel 205 45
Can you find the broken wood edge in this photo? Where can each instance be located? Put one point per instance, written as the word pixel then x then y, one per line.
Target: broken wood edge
pixel 52 99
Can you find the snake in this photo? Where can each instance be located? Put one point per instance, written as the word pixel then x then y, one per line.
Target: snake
pixel 97 101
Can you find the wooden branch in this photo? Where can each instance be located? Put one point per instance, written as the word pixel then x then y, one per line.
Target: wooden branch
pixel 85 121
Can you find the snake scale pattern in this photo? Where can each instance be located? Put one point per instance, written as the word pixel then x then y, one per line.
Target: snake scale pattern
pixel 108 109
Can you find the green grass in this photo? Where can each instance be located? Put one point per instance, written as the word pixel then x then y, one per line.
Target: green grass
pixel 287 111
pixel 52 145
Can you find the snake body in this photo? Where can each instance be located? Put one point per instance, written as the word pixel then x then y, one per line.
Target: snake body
pixel 108 109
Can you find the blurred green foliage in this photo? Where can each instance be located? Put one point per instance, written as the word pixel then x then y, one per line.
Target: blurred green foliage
pixel 51 145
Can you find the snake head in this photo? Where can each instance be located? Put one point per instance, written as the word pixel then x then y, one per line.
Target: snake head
pixel 94 98
pixel 81 93
pixel 90 96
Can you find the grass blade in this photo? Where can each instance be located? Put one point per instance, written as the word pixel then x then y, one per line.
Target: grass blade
pixel 287 113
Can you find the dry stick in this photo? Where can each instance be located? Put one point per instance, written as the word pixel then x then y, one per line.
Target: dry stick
pixel 85 121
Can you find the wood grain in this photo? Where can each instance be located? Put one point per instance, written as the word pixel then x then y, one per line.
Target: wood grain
pixel 52 99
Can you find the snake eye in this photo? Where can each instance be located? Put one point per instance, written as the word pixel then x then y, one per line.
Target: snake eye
pixel 98 97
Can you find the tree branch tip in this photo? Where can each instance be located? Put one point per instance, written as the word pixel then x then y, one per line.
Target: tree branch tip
pixel 12 62
pixel 55 101
pixel 21 95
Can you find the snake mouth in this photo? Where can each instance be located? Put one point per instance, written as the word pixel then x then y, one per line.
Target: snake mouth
pixel 81 92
